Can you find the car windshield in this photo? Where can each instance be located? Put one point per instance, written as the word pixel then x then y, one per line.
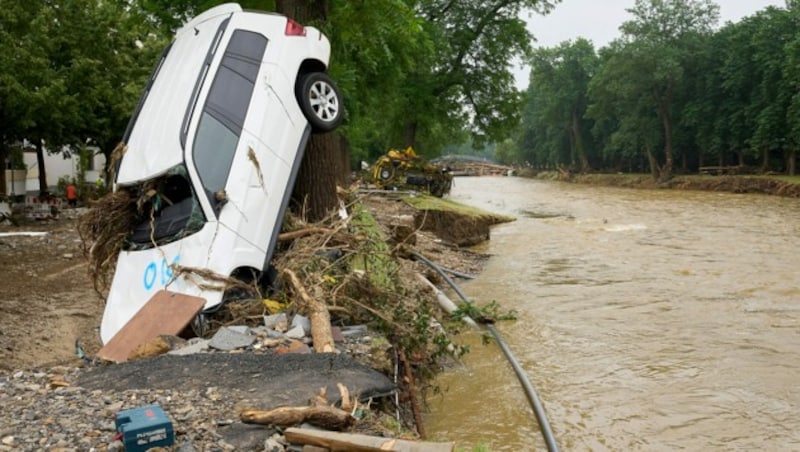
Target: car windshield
pixel 166 209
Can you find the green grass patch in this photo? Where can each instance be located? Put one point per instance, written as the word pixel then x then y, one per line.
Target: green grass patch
pixel 374 256
pixel 445 205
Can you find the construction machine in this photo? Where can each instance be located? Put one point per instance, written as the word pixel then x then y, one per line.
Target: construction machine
pixel 405 170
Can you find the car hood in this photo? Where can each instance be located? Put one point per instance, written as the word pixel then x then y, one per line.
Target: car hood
pixel 154 145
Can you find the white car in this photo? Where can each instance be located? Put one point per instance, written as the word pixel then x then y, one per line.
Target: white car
pixel 213 150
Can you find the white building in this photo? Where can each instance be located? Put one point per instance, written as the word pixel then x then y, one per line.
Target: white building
pixel 21 182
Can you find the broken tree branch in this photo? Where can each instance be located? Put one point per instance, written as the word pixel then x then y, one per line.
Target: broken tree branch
pixel 291 235
pixel 327 417
pixel 317 313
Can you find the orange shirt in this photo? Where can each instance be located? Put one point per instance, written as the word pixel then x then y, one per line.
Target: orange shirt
pixel 72 192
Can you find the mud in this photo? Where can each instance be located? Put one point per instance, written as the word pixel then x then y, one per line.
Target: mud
pixel 46 299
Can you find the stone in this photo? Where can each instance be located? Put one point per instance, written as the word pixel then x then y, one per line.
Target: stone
pixel 277 322
pixel 241 329
pixel 293 347
pixel 194 345
pixel 297 332
pixel 300 320
pixel 228 339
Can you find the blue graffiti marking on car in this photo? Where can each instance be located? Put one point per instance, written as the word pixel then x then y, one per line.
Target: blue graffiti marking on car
pixel 151 272
pixel 149 275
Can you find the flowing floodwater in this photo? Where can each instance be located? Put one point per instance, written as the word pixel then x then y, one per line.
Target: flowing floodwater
pixel 647 320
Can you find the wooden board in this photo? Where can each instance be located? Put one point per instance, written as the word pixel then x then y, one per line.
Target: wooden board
pixel 351 442
pixel 165 313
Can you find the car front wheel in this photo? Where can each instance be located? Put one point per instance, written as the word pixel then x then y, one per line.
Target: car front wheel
pixel 320 101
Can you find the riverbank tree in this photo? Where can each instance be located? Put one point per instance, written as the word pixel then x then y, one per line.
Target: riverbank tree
pixel 675 93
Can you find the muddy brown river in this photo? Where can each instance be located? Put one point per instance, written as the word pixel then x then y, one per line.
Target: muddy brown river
pixel 647 320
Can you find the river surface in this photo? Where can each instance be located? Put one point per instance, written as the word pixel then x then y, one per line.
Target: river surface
pixel 646 320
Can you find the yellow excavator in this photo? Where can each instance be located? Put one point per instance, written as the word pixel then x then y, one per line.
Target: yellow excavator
pixel 405 169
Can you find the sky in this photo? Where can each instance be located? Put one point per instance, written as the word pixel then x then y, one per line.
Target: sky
pixel 599 21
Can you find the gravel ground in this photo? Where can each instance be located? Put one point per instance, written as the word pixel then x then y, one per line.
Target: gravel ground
pixel 40 414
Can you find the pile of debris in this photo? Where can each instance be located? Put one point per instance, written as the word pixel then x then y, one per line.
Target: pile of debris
pixel 344 287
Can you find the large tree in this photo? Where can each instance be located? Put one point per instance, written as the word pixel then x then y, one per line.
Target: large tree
pixel 25 75
pixel 557 96
pixel 792 75
pixel 657 41
pixel 467 83
pixel 625 120
pixel 73 75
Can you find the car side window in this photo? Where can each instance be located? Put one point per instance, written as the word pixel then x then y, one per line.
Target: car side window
pixel 223 114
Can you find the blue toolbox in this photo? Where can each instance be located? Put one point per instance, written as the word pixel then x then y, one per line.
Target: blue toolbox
pixel 143 428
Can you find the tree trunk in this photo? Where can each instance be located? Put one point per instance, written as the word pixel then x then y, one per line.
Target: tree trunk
pixel 666 170
pixel 321 169
pixel 654 168
pixel 314 194
pixel 43 188
pixel 791 162
pixel 304 10
pixel 764 161
pixel 684 162
pixel 411 134
pixel 343 175
pixel 580 148
pixel 3 166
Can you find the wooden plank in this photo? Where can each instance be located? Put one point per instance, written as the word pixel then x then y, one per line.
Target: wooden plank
pixel 339 442
pixel 165 313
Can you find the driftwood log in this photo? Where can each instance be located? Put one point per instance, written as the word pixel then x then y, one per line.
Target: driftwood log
pixel 318 412
pixel 327 417
pixel 317 313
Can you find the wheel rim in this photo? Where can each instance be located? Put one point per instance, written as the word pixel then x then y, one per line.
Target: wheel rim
pixel 324 101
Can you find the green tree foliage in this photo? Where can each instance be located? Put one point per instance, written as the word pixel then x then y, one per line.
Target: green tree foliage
pixel 467 83
pixel 626 123
pixel 791 74
pixel 370 62
pixel 557 96
pixel 661 37
pixel 676 94
pixel 74 73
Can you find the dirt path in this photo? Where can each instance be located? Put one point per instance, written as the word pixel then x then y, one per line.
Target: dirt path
pixel 46 298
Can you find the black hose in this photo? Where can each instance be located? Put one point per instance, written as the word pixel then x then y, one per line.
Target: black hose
pixel 458 274
pixel 538 410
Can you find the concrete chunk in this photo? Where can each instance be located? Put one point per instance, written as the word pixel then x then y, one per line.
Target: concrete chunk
pixel 299 320
pixel 277 322
pixel 228 339
pixel 195 345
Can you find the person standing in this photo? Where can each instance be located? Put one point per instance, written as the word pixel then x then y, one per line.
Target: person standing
pixel 72 195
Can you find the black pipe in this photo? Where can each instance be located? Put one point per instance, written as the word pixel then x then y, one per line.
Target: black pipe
pixel 538 410
pixel 458 274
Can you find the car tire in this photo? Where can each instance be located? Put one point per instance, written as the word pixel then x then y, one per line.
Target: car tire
pixel 320 101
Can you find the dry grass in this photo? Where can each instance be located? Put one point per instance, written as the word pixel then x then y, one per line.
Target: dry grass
pixel 103 230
